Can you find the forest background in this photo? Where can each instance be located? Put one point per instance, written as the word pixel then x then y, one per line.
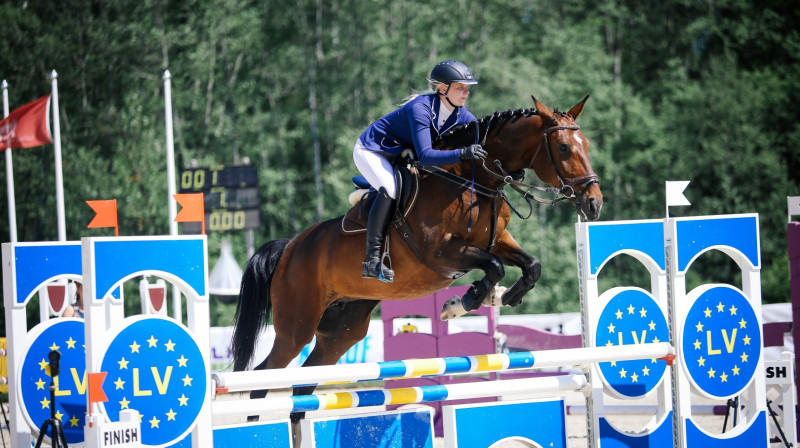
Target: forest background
pixel 705 91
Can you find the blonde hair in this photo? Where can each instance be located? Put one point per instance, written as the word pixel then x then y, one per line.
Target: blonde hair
pixel 433 86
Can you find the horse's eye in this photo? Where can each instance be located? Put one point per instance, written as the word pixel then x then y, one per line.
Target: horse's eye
pixel 564 148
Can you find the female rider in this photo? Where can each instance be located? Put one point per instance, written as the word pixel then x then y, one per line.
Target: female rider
pixel 415 124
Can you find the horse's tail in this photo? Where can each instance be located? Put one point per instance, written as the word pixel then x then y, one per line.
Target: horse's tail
pixel 252 312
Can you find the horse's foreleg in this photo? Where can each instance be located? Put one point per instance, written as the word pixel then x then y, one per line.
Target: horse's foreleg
pixel 513 255
pixel 465 257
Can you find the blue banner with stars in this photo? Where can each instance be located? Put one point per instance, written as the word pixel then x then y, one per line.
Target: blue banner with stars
pixel 65 336
pixel 721 342
pixel 155 367
pixel 632 317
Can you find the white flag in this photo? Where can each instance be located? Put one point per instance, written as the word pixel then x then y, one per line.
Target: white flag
pixel 675 193
pixel 793 202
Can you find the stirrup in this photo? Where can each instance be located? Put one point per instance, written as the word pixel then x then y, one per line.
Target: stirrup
pixel 380 271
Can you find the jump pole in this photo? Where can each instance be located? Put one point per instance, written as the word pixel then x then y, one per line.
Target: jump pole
pixel 407 395
pixel 349 373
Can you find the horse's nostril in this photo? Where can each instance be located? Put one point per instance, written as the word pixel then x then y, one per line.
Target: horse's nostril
pixel 593 208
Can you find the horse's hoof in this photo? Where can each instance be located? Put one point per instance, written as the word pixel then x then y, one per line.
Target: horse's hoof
pixel 452 308
pixel 495 297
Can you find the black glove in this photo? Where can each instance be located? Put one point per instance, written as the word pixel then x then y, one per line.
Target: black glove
pixel 472 152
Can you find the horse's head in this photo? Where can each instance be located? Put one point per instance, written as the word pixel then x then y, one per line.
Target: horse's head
pixel 561 158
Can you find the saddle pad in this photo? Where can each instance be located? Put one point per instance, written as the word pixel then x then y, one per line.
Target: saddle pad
pixel 355 220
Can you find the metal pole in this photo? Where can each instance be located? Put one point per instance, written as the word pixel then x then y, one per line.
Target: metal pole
pixel 172 204
pixel 62 231
pixel 12 207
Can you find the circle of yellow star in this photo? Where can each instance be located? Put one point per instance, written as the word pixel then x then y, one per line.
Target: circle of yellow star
pixel 733 310
pixel 187 381
pixel 124 403
pixel 182 361
pixel 54 347
pixel 735 370
pixel 170 346
pixel 652 325
pixel 611 328
pixel 707 312
pixel 720 307
pixel 631 309
pixel 646 371
pixel 744 357
pixel 622 373
pixel 711 373
pixel 152 341
pixel 123 364
pixel 71 342
pixel 618 314
pixel 634 378
pixel 742 323
pixel 643 312
pixel 746 340
pixel 45 403
pixel 134 347
pixel 697 344
pixel 699 327
pixel 184 400
pixel 724 377
pixel 73 422
pixel 171 415
pixel 701 361
pixel 40 384
pixel 119 383
pixel 154 422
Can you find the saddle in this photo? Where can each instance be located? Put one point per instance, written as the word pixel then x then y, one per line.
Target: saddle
pixel 407 181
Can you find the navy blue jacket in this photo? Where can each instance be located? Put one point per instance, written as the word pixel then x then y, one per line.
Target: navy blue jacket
pixel 414 125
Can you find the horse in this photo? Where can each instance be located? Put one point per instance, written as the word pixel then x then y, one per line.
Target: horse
pixel 312 284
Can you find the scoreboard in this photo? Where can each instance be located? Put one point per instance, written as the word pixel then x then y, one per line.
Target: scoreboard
pixel 230 194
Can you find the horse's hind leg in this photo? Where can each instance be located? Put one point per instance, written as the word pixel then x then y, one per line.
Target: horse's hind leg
pixel 285 348
pixel 343 325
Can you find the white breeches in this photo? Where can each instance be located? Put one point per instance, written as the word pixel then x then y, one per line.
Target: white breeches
pixel 375 168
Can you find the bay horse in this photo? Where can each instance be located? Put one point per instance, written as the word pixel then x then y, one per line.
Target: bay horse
pixel 312 283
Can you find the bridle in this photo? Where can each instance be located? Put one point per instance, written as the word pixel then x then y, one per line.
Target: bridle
pixel 567 189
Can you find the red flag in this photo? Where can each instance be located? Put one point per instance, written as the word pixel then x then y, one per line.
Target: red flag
pixel 27 126
pixel 96 393
pixel 106 214
pixel 193 209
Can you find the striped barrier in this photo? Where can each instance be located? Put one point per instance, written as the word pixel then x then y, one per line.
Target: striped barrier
pixel 416 368
pixel 407 395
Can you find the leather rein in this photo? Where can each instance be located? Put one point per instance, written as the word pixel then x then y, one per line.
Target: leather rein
pixel 566 191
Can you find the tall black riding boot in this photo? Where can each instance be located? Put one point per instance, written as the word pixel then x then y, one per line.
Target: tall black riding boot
pixel 377 222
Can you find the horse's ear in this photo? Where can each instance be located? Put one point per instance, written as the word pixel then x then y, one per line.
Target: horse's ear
pixel 577 109
pixel 543 110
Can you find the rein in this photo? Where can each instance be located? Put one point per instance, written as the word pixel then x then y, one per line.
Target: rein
pixel 566 191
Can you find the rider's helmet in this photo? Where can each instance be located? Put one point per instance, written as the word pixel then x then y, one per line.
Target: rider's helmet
pixel 450 71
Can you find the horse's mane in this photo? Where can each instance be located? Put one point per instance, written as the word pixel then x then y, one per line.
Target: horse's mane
pixel 464 134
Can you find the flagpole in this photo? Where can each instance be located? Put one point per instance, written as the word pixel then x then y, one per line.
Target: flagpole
pixel 62 232
pixel 12 205
pixel 172 204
